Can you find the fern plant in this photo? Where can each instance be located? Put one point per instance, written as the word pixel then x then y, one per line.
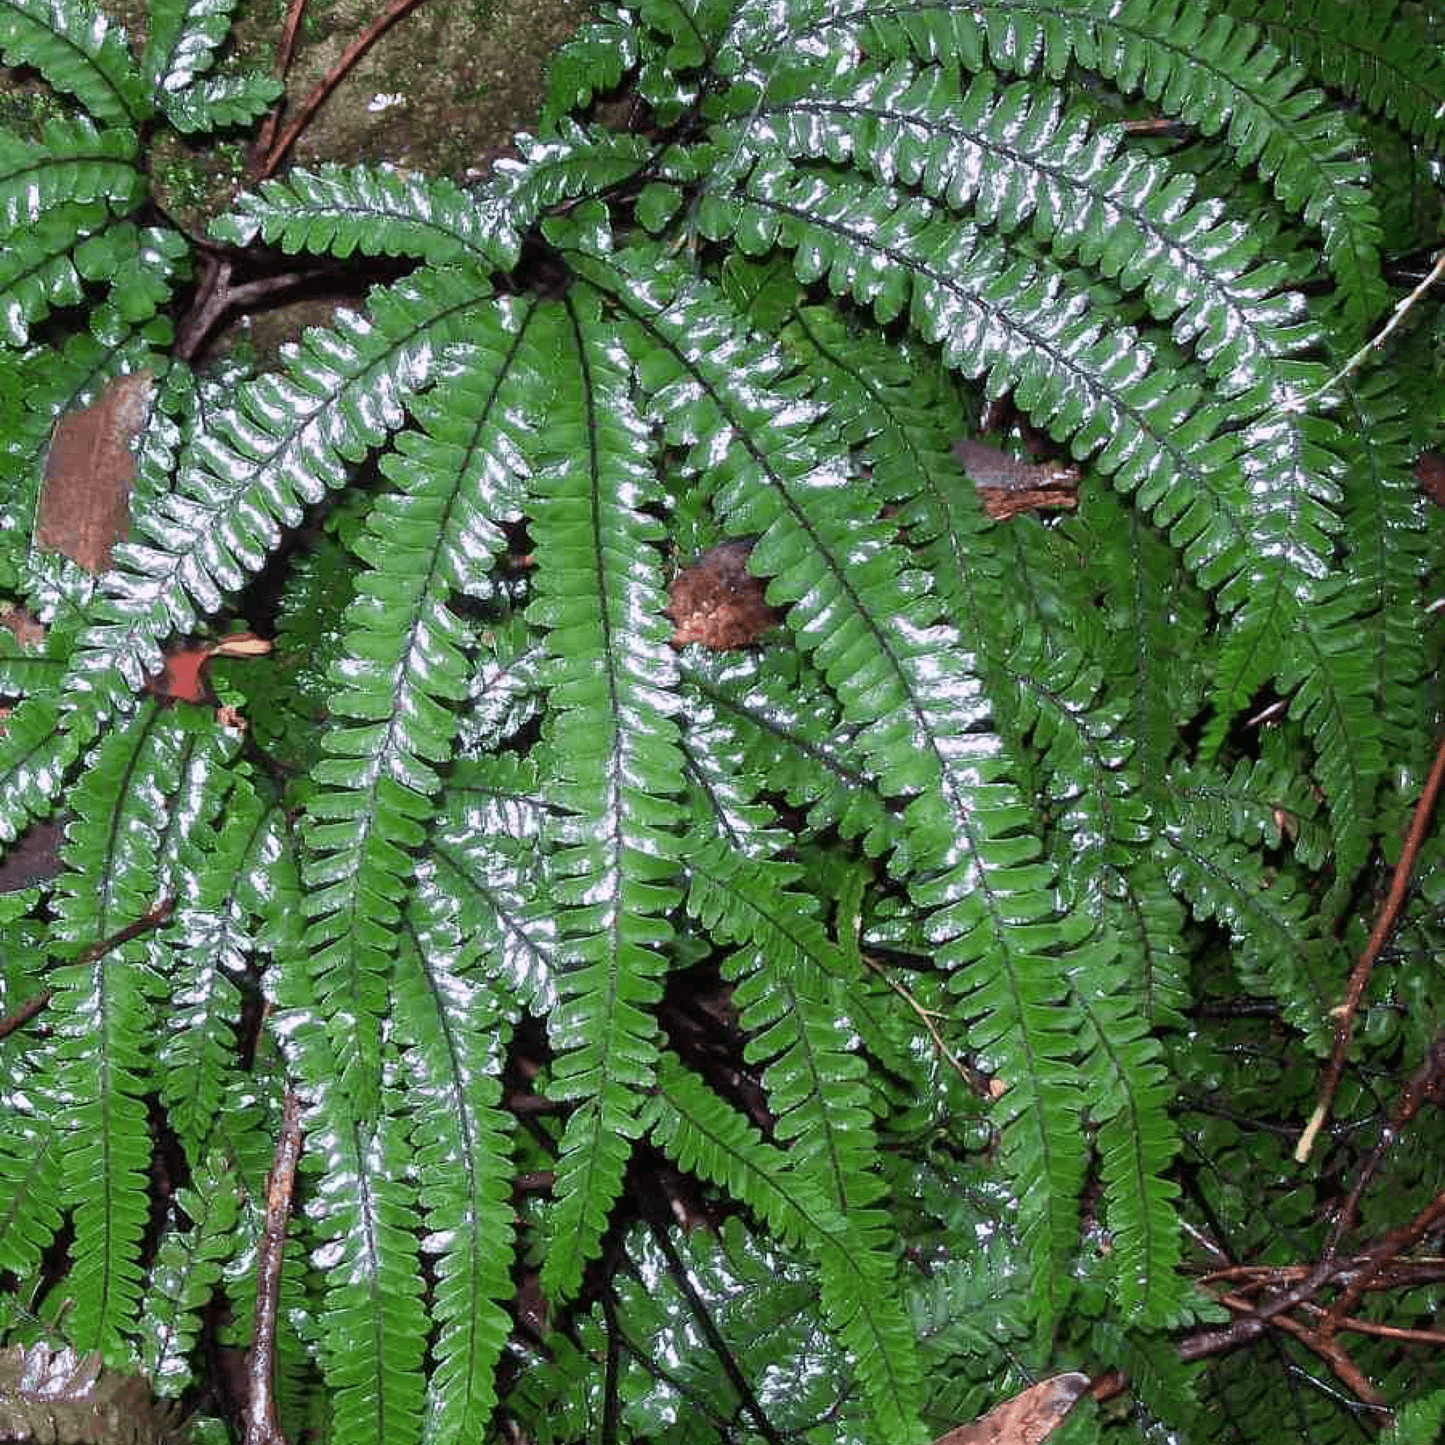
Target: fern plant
pixel 830 1033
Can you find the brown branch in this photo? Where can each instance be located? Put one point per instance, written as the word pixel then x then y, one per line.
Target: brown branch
pixel 358 47
pixel 91 953
pixel 1395 1243
pixel 1427 1082
pixel 261 1426
pixel 23 1014
pixel 1327 1348
pixel 1371 1327
pixel 267 133
pixel 1360 976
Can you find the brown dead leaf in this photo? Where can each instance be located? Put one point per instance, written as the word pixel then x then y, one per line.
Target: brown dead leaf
pixel 718 602
pixel 182 679
pixel 1031 1416
pixel 85 499
pixel 1001 503
pixel 28 631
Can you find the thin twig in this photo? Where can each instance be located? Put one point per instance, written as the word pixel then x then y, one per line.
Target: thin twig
pixel 267 134
pixel 261 1426
pixel 358 47
pixel 1327 1348
pixel 1402 309
pixel 975 1080
pixel 720 1348
pixel 24 1013
pixel 1360 977
pixel 1425 1083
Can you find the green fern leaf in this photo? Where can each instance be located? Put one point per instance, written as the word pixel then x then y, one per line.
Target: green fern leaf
pixel 1277 949
pixel 379 210
pixel 1199 65
pixel 485 850
pixel 218 101
pixel 72 162
pixel 1381 57
pixel 792 995
pixel 592 60
pixel 30 1184
pixel 76 48
pixel 1130 1097
pixel 364 1214
pixel 216 932
pixel 859 1294
pixel 1014 157
pixel 402 668
pixel 449 1027
pixel 617 759
pixel 187 1269
pixel 40 275
pixel 182 39
pixel 284 441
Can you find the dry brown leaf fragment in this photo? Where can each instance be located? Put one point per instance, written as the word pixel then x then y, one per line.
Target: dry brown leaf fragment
pixel 28 631
pixel 718 602
pixel 182 678
pixel 1028 1418
pixel 85 498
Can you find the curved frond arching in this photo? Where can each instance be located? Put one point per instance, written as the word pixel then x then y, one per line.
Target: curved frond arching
pixel 1202 66
pixel 286 440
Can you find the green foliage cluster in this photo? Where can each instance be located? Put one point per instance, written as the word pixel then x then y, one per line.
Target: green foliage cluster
pixel 1030 925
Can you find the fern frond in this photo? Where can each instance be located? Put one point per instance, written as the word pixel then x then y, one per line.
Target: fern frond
pixel 1380 57
pixel 1277 949
pixel 187 1269
pixel 1388 517
pixel 859 1292
pixel 1211 71
pixel 285 441
pixel 40 275
pixel 215 933
pixel 182 38
pixel 375 209
pixel 448 1026
pixel 791 993
pixel 1015 157
pixel 217 101
pixel 901 679
pixel 493 885
pixel 757 716
pixel 30 1184
pixel 402 669
pixel 617 763
pixel 78 50
pixel 34 756
pixel 1129 1097
pixel 591 60
pixel 577 161
pixel 71 162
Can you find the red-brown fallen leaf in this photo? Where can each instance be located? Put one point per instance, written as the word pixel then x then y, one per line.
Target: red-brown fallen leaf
pixel 1001 504
pixel 25 629
pixel 1031 1416
pixel 1430 473
pixel 181 678
pixel 85 499
pixel 718 602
